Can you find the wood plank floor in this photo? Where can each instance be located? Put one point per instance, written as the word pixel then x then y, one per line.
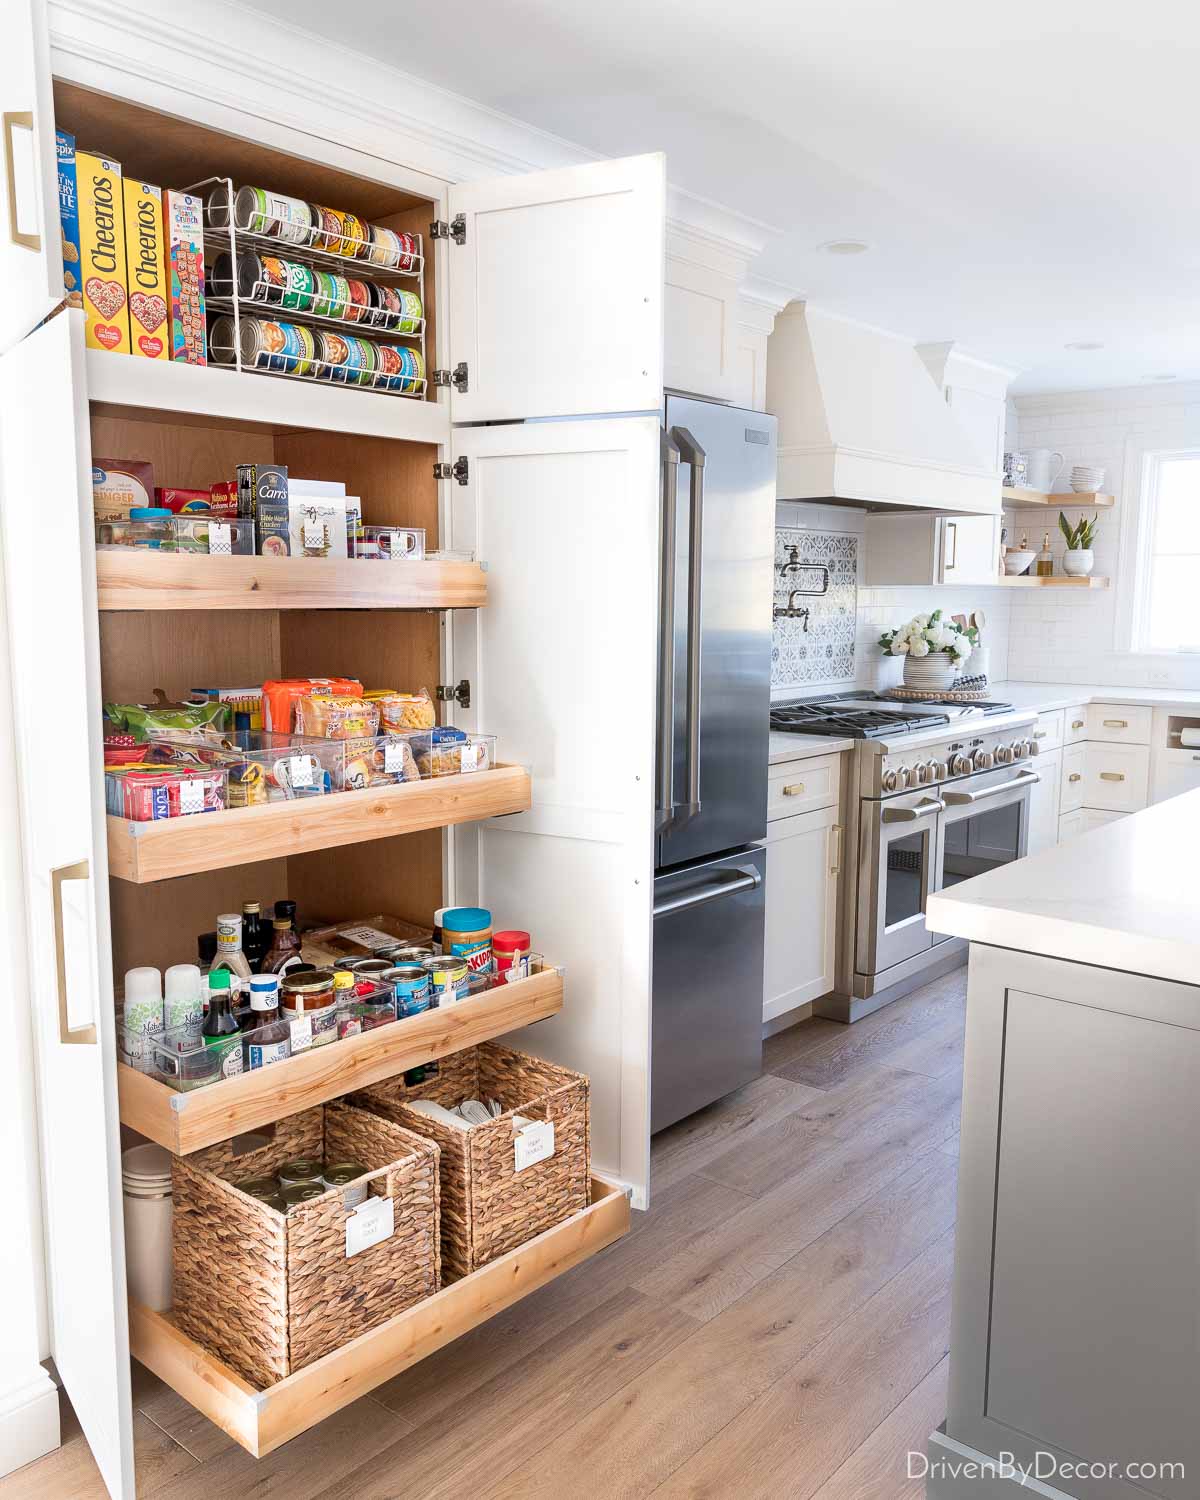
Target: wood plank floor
pixel 776 1325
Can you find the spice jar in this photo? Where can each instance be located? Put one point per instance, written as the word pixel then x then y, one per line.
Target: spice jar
pixel 307 1004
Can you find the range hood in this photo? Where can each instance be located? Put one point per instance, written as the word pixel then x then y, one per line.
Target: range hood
pixel 862 421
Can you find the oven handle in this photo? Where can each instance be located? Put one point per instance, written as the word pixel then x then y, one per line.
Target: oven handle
pixel 911 814
pixel 1026 778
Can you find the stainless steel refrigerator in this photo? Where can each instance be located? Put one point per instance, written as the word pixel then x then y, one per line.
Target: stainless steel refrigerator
pixel 718 538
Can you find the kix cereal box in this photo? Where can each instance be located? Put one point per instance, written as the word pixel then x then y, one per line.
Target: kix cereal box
pixel 146 270
pixel 68 216
pixel 183 217
pixel 102 252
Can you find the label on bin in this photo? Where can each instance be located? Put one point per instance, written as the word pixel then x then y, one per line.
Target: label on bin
pixel 369 937
pixel 301 1033
pixel 371 1222
pixel 191 796
pixel 534 1142
pixel 300 769
pixel 471 758
pixel 393 757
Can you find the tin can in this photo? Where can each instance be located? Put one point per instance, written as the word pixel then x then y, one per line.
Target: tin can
pixel 303 1192
pixel 260 278
pixel 358 301
pixel 411 312
pixel 402 368
pixel 259 1187
pixel 257 211
pixel 353 243
pixel 448 979
pixel 222 345
pixel 327 227
pixel 216 206
pixel 409 251
pixel 218 280
pixel 333 354
pixel 324 291
pixel 300 283
pixel 301 1169
pixel 410 985
pixel 368 968
pixel 369 365
pixel 385 248
pixel 339 302
pixel 410 953
pixel 285 347
pixel 340 1175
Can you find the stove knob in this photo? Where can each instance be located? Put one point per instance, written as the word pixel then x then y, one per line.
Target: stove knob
pixel 938 770
pixel 1034 747
pixel 891 781
pixel 903 776
pixel 1004 755
pixel 983 760
pixel 1020 749
pixel 960 765
pixel 923 773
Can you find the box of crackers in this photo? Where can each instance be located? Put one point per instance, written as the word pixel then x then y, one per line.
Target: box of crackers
pixel 146 270
pixel 102 252
pixel 68 216
pixel 183 219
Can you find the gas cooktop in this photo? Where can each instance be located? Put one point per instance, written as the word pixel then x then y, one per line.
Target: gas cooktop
pixel 863 716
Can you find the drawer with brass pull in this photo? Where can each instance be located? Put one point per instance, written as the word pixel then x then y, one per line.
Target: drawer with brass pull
pixel 1070 797
pixel 1047 732
pixel 802 785
pixel 1075 725
pixel 1116 778
pixel 1119 723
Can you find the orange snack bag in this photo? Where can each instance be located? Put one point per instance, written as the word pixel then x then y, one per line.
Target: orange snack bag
pixel 281 695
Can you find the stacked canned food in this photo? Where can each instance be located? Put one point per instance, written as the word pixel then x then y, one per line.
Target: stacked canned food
pixel 301 288
pixel 286 348
pixel 258 211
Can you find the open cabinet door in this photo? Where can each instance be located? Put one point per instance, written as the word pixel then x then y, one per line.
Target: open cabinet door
pixel 562 669
pixel 46 506
pixel 556 291
pixel 30 246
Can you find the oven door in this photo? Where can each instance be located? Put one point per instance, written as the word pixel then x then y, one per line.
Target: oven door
pixel 899 855
pixel 985 825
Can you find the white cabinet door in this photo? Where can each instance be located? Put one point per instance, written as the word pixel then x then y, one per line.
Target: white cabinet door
pixel 803 858
pixel 30 248
pixel 45 494
pixel 970 549
pixel 556 293
pixel 1070 825
pixel 1043 802
pixel 562 668
pixel 1116 777
pixel 1071 777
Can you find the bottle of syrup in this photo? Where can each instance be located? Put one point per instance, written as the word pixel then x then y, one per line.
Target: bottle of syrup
pixel 284 952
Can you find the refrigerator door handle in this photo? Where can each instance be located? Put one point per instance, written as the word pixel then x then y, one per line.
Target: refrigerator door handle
pixel 664 811
pixel 692 453
pixel 744 879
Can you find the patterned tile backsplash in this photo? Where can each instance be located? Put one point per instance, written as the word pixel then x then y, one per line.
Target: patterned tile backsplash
pixel 820 647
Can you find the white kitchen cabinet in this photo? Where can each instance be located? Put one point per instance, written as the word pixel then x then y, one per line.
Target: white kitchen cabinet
pixel 1075 727
pixel 1044 802
pixel 1071 777
pixel 701 356
pixel 1047 732
pixel 1119 723
pixel 930 550
pixel 1070 825
pixel 976 391
pixel 800 786
pixel 803 877
pixel 1116 778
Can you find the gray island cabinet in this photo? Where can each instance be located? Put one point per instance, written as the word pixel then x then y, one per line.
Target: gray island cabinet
pixel 1075 1342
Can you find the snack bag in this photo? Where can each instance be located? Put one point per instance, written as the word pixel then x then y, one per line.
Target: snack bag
pixel 404 710
pixel 281 695
pixel 330 717
pixel 144 721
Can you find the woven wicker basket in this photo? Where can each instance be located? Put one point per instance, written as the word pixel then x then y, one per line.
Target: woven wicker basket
pixel 269 1293
pixel 488 1207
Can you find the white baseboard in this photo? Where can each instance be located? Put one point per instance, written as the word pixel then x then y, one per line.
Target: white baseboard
pixel 28 1421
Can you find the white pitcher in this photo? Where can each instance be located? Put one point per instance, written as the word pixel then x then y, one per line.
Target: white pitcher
pixel 1042 468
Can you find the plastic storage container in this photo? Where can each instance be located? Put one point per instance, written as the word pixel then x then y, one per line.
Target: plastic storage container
pixel 148 527
pixel 146 1184
pixel 261 767
pixel 145 792
pixel 383 760
pixel 453 752
pixel 391 543
pixel 228 537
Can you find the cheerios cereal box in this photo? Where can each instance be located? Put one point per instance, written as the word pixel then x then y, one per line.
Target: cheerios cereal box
pixel 183 216
pixel 102 252
pixel 68 216
pixel 146 271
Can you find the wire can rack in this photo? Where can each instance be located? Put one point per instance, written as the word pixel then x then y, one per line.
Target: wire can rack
pixel 325 289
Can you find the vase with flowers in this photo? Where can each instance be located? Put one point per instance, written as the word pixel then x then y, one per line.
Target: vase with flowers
pixel 933 648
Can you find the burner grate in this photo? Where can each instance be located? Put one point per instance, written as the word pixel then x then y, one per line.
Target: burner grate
pixel 859 724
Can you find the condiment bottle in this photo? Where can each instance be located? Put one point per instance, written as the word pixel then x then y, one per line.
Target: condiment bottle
pixel 284 952
pixel 183 1004
pixel 1044 566
pixel 268 1038
pixel 264 999
pixel 220 1023
pixel 256 937
pixel 229 950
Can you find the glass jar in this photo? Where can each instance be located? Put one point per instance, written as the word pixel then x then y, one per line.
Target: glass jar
pixel 307 1004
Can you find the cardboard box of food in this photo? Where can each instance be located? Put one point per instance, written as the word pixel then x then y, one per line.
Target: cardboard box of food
pixel 68 216
pixel 183 219
pixel 146 271
pixel 118 485
pixel 102 252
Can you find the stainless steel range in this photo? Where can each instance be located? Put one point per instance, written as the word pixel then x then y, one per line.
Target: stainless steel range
pixel 936 793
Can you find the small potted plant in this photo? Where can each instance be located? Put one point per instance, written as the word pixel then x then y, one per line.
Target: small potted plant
pixel 933 648
pixel 1079 560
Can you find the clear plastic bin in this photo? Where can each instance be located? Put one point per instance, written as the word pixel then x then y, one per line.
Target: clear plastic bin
pixel 148 528
pixel 390 543
pixel 145 792
pixel 453 752
pixel 381 760
pixel 184 1060
pixel 262 767
pixel 218 535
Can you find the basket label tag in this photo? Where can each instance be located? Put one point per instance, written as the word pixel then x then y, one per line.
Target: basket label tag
pixel 301 770
pixel 393 756
pixel 301 1033
pixel 370 1222
pixel 191 796
pixel 533 1143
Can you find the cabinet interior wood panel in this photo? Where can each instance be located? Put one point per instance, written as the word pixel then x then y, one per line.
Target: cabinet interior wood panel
pixel 400 876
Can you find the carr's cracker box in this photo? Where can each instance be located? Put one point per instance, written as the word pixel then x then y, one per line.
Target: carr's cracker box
pixel 102 252
pixel 183 218
pixel 147 276
pixel 271 510
pixel 68 217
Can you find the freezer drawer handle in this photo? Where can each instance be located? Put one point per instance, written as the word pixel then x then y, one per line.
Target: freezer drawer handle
pixel 67 1035
pixel 665 811
pixel 926 806
pixel 1026 778
pixel 727 885
pixel 692 454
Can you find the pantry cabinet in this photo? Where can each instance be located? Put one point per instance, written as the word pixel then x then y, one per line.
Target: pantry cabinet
pixel 551 296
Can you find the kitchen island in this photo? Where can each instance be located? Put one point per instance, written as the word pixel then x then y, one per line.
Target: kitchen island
pixel 1075 1354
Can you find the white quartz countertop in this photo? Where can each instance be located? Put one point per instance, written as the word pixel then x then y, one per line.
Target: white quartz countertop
pixel 1124 896
pixel 1046 696
pixel 785 747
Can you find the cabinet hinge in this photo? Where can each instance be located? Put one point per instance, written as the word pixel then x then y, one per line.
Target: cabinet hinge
pixel 450 693
pixel 456 377
pixel 456 230
pixel 459 470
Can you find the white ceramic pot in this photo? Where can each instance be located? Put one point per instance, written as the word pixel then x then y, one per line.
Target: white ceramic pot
pixel 933 673
pixel 1078 562
pixel 1016 561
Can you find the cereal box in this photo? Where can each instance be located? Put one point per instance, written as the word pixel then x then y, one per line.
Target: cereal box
pixel 183 217
pixel 147 277
pixel 102 252
pixel 68 216
pixel 118 485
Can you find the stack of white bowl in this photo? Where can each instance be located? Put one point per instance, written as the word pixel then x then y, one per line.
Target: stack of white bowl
pixel 1086 479
pixel 146 1180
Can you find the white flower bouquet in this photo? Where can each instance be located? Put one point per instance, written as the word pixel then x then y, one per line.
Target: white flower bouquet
pixel 926 635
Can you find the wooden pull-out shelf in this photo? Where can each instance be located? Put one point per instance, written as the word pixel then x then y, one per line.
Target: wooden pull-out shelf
pixel 184 1122
pixel 261 1420
pixel 130 579
pixel 160 850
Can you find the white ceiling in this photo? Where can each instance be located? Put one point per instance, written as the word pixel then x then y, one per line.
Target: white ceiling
pixel 1023 172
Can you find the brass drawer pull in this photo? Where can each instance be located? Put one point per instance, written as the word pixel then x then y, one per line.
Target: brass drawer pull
pixel 1112 775
pixel 1040 734
pixel 836 863
pixel 1116 723
pixel 795 790
pixel 1077 723
pixel 1074 776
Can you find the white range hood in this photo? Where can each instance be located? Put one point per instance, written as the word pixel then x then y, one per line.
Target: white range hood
pixel 862 422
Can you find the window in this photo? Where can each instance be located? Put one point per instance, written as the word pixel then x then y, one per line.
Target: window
pixel 1167 604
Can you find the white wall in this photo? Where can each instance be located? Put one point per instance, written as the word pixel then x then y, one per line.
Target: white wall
pixel 1058 635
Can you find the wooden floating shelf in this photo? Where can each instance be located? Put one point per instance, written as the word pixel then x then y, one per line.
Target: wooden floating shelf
pixel 261 1420
pixel 1024 581
pixel 161 850
pixel 272 401
pixel 137 580
pixel 185 1122
pixel 1063 501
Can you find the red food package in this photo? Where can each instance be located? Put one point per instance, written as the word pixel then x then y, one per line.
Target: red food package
pixel 223 499
pixel 183 502
pixel 279 698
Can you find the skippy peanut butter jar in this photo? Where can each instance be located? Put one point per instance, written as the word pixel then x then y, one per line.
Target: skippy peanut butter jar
pixel 102 252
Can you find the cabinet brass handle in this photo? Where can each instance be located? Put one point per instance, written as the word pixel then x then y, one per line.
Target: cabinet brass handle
pixel 795 790
pixel 952 545
pixel 16 120
pixel 1074 776
pixel 79 1035
pixel 1040 734
pixel 1077 723
pixel 1112 775
pixel 836 863
pixel 1116 723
